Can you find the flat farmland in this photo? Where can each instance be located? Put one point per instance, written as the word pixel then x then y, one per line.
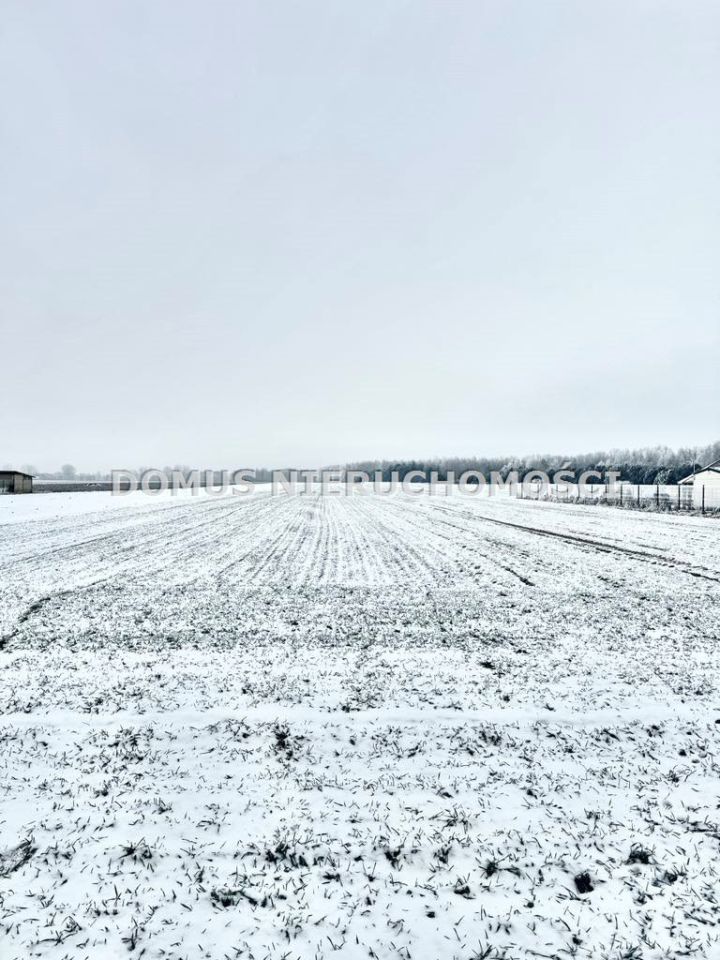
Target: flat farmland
pixel 305 726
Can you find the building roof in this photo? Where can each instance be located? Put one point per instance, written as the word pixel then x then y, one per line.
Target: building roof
pixel 713 467
pixel 15 473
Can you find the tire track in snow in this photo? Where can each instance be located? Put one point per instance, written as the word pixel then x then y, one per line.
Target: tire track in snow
pixel 599 546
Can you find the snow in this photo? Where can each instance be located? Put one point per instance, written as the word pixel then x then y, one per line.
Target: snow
pixel 47 506
pixel 366 726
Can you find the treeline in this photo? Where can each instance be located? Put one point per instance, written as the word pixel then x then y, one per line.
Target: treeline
pixel 646 465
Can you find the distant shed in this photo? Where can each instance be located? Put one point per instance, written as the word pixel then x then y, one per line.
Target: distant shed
pixel 705 481
pixel 15 481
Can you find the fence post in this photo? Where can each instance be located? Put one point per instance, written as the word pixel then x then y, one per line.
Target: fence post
pixel 657 495
pixel 638 495
pixel 620 494
pixel 703 499
pixel 678 506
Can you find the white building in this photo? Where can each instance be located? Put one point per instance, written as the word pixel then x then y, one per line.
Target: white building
pixel 707 482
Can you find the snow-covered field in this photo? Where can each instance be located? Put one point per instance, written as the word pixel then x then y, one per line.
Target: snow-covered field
pixel 363 727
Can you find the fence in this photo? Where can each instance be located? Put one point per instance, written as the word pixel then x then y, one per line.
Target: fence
pixel 658 496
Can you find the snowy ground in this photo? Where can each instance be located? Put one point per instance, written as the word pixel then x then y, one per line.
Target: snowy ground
pixel 412 727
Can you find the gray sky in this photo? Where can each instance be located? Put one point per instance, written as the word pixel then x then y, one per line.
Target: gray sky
pixel 237 233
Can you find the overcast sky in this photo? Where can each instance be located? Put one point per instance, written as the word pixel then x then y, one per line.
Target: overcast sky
pixel 240 233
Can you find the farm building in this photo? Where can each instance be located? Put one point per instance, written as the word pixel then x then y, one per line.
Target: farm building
pixel 14 481
pixel 705 482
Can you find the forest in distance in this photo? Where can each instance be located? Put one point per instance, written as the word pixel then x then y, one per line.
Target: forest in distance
pixel 650 465
pixel 647 465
